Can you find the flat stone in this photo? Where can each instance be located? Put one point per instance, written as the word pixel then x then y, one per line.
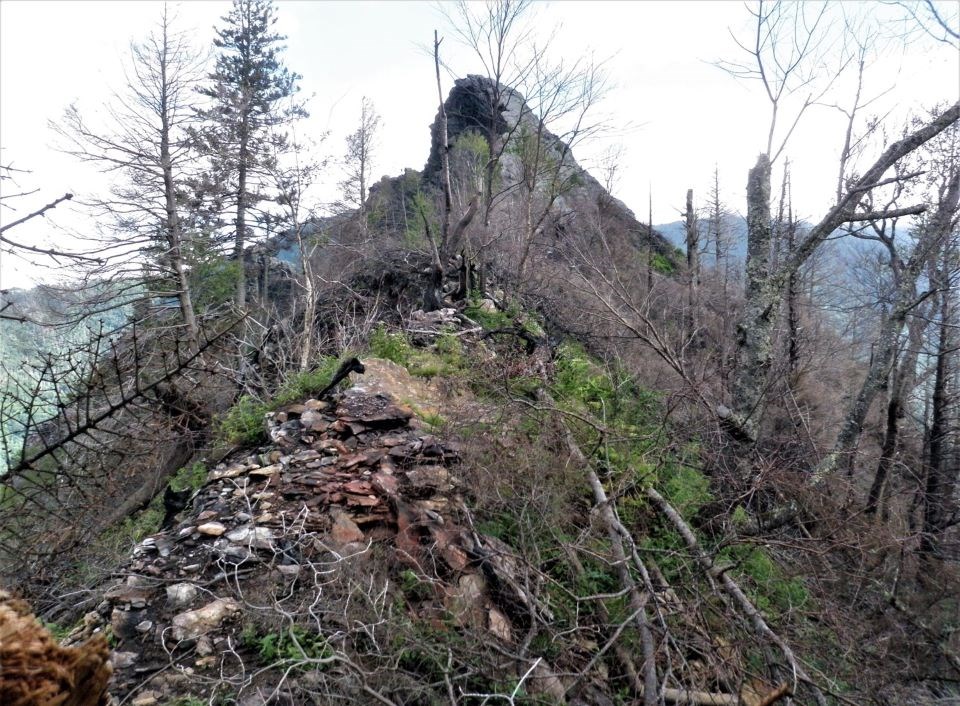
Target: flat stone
pixel 212 529
pixel 146 698
pixel 266 471
pixel 436 477
pixel 256 537
pixel 312 420
pixel 231 472
pixel 197 622
pixel 345 530
pixel 122 660
pixel 136 596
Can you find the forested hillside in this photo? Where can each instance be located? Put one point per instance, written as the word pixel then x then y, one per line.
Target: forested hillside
pixel 479 432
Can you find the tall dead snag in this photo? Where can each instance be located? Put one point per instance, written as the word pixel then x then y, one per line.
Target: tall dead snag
pixel 902 379
pixel 904 299
pixel 765 286
pixel 693 260
pixel 939 504
pixel 146 142
pixel 449 237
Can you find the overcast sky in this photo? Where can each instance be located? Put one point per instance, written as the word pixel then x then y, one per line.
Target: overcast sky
pixel 676 113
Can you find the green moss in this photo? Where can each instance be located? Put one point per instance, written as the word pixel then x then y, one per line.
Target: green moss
pixel 189 477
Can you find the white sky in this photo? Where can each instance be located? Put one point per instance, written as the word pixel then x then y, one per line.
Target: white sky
pixel 685 114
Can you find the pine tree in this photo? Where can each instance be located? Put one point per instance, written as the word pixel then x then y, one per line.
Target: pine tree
pixel 252 95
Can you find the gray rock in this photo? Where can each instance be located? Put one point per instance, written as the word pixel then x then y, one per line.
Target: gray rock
pixel 180 595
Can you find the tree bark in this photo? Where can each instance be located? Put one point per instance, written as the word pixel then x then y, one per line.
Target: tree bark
pixel 755 328
pixel 241 221
pixel 172 226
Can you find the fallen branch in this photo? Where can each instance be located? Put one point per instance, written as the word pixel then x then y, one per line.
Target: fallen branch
pixel 638 601
pixel 735 593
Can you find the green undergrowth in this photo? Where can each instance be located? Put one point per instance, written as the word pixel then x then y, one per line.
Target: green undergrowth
pixel 290 644
pixel 636 450
pixel 243 425
pixel 444 358
pixel 101 555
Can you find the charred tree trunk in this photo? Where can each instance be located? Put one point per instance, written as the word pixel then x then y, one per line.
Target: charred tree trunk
pixel 899 387
pixel 941 480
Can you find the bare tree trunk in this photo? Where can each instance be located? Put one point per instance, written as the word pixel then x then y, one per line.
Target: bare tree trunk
pixel 765 288
pixel 938 501
pixel 650 242
pixel 793 314
pixel 434 295
pixel 905 298
pixel 241 221
pixel 172 225
pixel 755 328
pixel 693 262
pixel 899 385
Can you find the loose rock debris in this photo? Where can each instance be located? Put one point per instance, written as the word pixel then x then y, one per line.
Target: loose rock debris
pixel 339 478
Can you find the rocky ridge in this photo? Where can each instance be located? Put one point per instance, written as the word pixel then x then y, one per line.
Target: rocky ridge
pixel 343 485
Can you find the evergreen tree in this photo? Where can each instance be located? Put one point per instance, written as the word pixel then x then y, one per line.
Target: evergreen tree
pixel 252 95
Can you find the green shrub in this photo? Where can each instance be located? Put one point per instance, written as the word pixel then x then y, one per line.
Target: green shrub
pixel 392 346
pixel 687 489
pixel 243 422
pixel 662 265
pixel 307 383
pixel 214 282
pixel 293 643
pixel 767 586
pixel 489 320
pixel 579 379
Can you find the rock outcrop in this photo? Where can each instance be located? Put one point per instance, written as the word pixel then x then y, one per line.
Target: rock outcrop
pixel 474 105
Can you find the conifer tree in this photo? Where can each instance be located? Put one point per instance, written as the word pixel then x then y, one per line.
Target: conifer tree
pixel 252 95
